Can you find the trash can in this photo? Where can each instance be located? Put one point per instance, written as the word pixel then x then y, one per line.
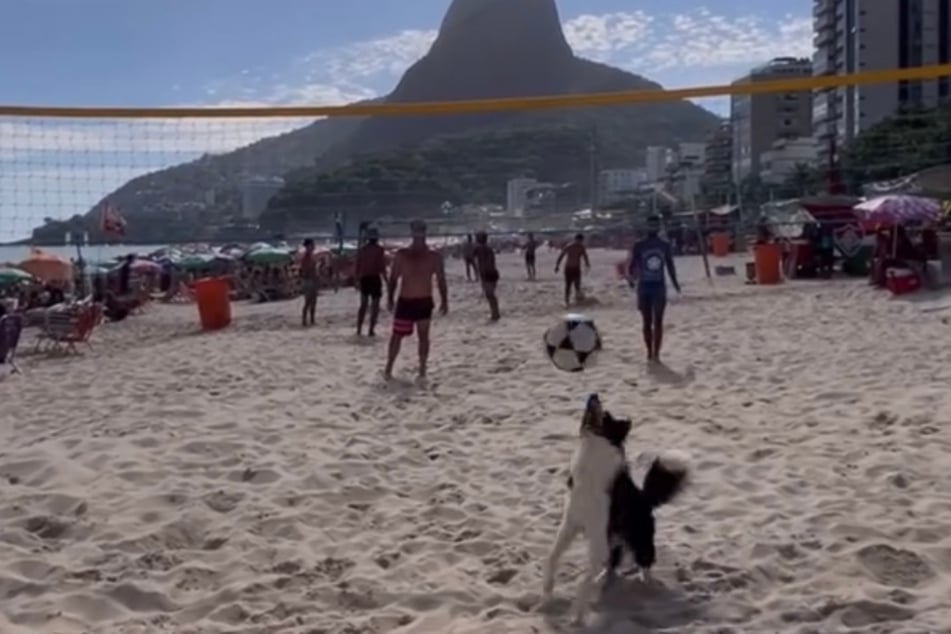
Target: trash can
pixel 720 244
pixel 213 297
pixel 768 257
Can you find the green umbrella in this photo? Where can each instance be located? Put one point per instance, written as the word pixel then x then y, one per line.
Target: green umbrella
pixel 194 262
pixel 268 256
pixel 10 275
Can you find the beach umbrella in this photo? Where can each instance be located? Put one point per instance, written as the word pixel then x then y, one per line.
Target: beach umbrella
pixel 194 261
pixel 899 210
pixel 46 266
pixel 268 256
pixel 146 267
pixel 11 275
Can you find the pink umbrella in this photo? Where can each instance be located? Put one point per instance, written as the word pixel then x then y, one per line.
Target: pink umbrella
pixel 899 210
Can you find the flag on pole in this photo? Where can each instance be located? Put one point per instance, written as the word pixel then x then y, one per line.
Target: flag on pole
pixel 111 221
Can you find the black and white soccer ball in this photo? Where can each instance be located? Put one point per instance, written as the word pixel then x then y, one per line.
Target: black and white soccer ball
pixel 573 343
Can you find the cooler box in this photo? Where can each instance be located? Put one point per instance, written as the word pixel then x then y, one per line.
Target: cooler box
pixel 901 281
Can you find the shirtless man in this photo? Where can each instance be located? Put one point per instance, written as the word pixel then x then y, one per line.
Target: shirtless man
pixel 370 274
pixel 413 270
pixel 488 273
pixel 573 254
pixel 530 248
pixel 468 254
pixel 309 283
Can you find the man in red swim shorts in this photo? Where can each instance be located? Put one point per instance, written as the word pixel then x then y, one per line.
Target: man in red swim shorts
pixel 413 270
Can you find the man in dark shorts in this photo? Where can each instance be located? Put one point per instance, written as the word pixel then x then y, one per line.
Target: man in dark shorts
pixel 309 283
pixel 468 255
pixel 413 271
pixel 573 254
pixel 652 259
pixel 370 274
pixel 488 273
pixel 530 248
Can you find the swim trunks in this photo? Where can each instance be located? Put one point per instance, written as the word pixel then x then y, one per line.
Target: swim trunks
pixel 491 277
pixel 573 275
pixel 409 311
pixel 651 296
pixel 309 287
pixel 371 286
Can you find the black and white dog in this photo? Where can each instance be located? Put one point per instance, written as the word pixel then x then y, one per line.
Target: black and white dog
pixel 605 504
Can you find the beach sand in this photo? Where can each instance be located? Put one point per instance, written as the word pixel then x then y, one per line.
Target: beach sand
pixel 264 479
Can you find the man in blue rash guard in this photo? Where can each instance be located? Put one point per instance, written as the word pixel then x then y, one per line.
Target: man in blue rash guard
pixel 652 259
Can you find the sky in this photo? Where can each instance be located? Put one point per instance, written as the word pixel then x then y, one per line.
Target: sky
pixel 211 53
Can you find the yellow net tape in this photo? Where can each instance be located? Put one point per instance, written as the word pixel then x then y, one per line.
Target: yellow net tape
pixel 493 105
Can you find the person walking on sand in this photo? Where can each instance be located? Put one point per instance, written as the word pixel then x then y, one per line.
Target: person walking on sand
pixel 573 255
pixel 309 282
pixel 413 270
pixel 468 254
pixel 488 273
pixel 530 247
pixel 651 260
pixel 370 274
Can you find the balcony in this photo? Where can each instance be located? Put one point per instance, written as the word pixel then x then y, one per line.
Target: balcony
pixel 822 64
pixel 823 7
pixel 824 38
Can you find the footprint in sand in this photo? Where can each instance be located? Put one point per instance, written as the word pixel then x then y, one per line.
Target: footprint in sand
pixel 894 567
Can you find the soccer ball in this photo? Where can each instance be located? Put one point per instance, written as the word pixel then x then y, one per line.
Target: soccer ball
pixel 573 343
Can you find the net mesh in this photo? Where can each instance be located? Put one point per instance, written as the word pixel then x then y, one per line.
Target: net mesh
pixel 238 179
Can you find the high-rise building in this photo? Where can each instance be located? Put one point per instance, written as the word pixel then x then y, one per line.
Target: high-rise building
pixel 656 159
pixel 718 164
pixel 518 193
pixel 852 36
pixel 759 120
pixel 617 184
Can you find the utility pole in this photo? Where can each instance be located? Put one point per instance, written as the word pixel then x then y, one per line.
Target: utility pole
pixel 593 166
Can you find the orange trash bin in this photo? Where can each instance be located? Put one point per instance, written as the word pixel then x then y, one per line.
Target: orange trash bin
pixel 213 297
pixel 720 244
pixel 768 258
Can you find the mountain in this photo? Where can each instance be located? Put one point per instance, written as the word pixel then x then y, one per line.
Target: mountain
pixel 499 48
pixel 394 166
pixel 484 49
pixel 179 203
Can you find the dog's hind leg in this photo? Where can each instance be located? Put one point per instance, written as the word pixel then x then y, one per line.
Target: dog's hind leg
pixel 599 554
pixel 566 534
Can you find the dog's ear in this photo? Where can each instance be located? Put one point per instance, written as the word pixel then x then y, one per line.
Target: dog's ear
pixel 593 415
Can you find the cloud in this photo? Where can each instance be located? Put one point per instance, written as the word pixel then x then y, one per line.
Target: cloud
pixel 701 44
pixel 677 49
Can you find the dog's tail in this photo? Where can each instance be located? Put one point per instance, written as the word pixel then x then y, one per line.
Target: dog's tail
pixel 665 479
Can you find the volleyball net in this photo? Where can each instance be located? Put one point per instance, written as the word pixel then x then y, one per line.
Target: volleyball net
pixel 545 164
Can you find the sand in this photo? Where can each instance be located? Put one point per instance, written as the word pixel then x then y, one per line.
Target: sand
pixel 264 479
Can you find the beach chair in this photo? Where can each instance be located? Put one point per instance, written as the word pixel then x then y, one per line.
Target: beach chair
pixel 66 328
pixel 11 327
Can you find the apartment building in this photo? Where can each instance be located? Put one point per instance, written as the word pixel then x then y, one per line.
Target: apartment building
pixel 852 36
pixel 759 120
pixel 718 163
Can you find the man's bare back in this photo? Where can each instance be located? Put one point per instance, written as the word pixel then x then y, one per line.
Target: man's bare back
pixel 574 253
pixel 415 270
pixel 371 260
